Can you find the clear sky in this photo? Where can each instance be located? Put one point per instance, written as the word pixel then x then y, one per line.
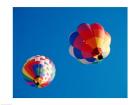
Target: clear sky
pixel 45 31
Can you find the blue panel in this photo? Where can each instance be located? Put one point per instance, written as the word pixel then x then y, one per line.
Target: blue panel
pixel 77 53
pixel 91 59
pixel 72 37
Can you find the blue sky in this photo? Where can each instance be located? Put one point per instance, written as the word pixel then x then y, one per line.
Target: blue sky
pixel 46 31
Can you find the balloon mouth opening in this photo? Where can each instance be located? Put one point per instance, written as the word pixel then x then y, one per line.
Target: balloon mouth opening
pixel 37 80
pixel 97 53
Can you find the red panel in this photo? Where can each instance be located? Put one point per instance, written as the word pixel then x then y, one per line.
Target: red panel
pixel 85 31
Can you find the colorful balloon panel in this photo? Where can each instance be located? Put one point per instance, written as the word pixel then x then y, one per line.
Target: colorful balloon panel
pixel 90 43
pixel 38 71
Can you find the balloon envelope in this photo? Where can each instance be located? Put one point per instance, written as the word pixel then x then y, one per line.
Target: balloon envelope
pixel 38 71
pixel 90 43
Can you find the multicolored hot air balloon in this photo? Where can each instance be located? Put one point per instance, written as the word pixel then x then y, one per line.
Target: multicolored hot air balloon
pixel 90 43
pixel 38 71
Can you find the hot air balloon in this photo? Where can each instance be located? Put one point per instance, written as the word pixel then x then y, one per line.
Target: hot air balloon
pixel 38 71
pixel 90 43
